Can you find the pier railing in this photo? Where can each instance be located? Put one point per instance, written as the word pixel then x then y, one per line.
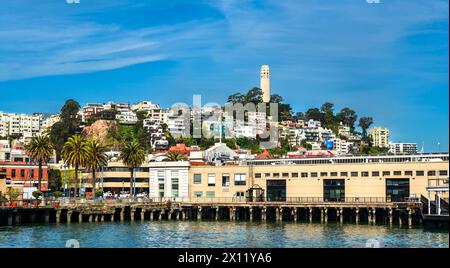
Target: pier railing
pixel 205 200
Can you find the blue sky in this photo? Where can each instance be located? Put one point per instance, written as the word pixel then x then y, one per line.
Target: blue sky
pixel 387 60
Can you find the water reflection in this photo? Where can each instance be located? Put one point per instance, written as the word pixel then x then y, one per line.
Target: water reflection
pixel 218 234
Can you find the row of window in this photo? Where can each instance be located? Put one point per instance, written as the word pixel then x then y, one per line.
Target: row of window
pixel 20 173
pixel 213 194
pixel 239 179
pixel 351 174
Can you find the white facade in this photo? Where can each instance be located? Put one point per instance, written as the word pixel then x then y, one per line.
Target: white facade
pixel 296 136
pixel 154 111
pixel 169 180
pixel 403 148
pixel 127 117
pixel 344 130
pixel 23 125
pixel 341 147
pixel 313 123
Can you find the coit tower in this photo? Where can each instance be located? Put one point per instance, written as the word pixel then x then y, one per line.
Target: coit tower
pixel 265 83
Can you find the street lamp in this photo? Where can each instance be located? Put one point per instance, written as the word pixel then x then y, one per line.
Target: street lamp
pixel 102 178
pixel 65 179
pixel 134 182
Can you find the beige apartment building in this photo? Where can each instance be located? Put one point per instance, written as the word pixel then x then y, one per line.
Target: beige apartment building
pixel 379 137
pixel 345 178
pixel 389 178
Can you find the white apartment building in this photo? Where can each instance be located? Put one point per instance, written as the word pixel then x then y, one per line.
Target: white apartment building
pixel 296 135
pixel 313 124
pixel 403 148
pixel 154 111
pixel 22 125
pixel 326 134
pixel 127 117
pixel 169 180
pixel 49 121
pixel 178 124
pixel 341 147
pixel 118 106
pixel 379 137
pixel 344 130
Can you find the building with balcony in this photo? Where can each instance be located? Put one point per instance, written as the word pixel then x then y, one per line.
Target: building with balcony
pixel 379 137
pixel 403 148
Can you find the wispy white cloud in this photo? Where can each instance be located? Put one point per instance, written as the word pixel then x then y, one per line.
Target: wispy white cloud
pixel 71 44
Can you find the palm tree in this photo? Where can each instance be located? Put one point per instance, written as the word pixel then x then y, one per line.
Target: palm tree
pixel 96 159
pixel 40 149
pixel 75 153
pixel 132 155
pixel 176 156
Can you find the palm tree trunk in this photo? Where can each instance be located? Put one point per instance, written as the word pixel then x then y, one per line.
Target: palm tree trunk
pixel 40 176
pixel 93 181
pixel 131 182
pixel 76 181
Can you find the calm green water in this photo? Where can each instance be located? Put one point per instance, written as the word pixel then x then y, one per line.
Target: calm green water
pixel 217 234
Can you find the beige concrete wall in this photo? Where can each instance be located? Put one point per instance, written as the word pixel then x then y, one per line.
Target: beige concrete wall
pixel 2 186
pixel 359 186
pixel 219 190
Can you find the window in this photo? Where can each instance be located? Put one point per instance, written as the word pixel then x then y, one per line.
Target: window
pixel 375 173
pixel 344 174
pixel 160 173
pixel 174 174
pixel 211 179
pixel 304 175
pixel 240 179
pixel 13 173
pixel 175 184
pixel 386 173
pixel 397 190
pixel 333 174
pixel 32 173
pixel 198 194
pixel 420 173
pixel 258 175
pixel 294 175
pixel 397 173
pixel 22 173
pixel 365 174
pixel 334 190
pixel 323 174
pixel 313 174
pixel 285 175
pixel 431 173
pixel 276 175
pixel 161 187
pixel 267 175
pixel 443 172
pixel 240 194
pixel 354 173
pixel 226 179
pixel 210 194
pixel 197 178
pixel 408 173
